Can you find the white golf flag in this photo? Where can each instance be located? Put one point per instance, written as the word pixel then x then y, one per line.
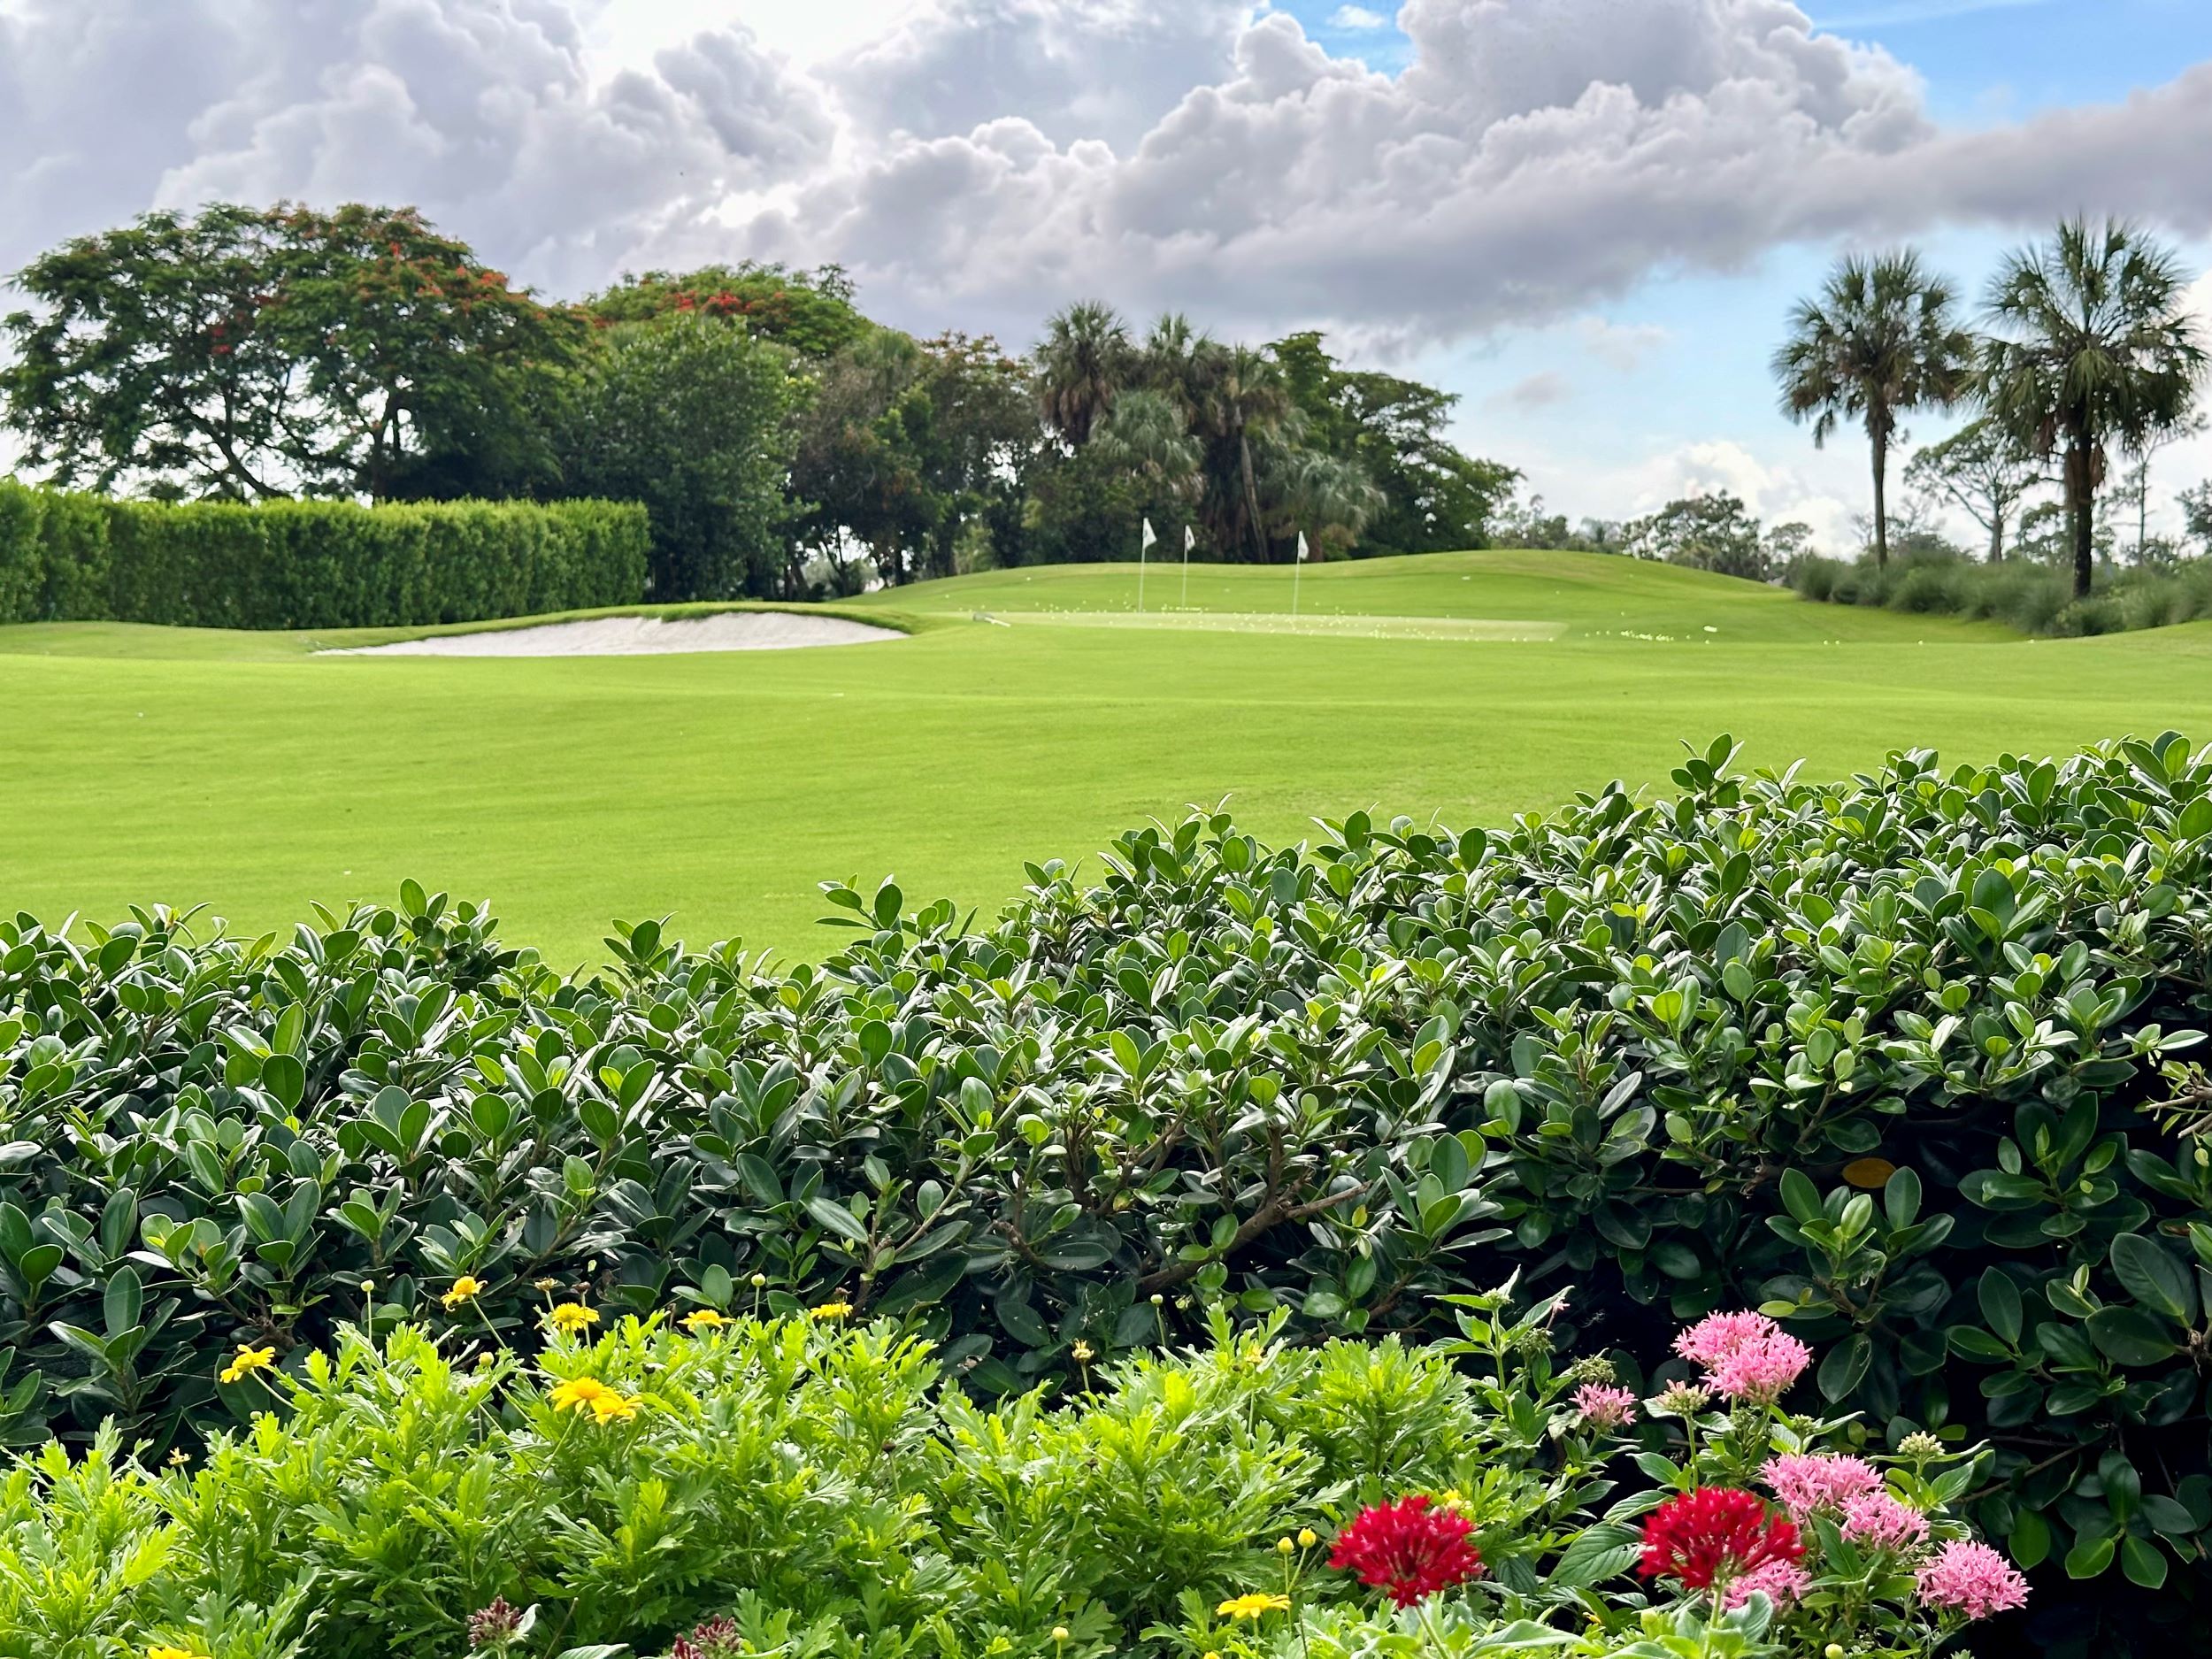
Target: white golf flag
pixel 1302 546
pixel 1148 537
pixel 1190 540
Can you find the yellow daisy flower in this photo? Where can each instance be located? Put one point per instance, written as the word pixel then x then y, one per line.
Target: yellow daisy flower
pixel 251 1359
pixel 834 1310
pixel 159 1652
pixel 1255 1605
pixel 577 1392
pixel 466 1289
pixel 1082 1353
pixel 703 1319
pixel 611 1406
pixel 572 1317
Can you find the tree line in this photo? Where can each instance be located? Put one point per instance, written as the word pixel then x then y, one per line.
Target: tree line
pixel 784 443
pixel 2086 355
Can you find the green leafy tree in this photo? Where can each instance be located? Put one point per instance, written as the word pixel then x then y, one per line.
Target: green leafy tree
pixel 415 352
pixel 1982 470
pixel 2092 346
pixel 811 311
pixel 1707 533
pixel 1434 498
pixel 979 438
pixel 692 418
pixel 2196 514
pixel 258 352
pixel 861 461
pixel 1879 340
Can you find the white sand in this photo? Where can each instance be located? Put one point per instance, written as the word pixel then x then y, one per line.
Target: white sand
pixel 641 636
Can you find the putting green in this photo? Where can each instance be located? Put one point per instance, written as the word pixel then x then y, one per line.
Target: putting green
pixel 242 772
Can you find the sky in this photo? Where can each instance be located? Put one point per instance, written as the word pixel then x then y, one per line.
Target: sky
pixel 1586 217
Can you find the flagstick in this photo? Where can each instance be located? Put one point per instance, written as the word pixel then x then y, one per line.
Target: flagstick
pixel 1187 572
pixel 1297 569
pixel 1141 553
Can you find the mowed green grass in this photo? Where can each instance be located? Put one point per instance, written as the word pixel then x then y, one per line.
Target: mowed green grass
pixel 244 772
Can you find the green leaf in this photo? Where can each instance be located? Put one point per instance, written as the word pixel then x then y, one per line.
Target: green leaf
pixel 1801 1198
pixel 1600 1552
pixel 2153 1277
pixel 837 1218
pixel 2129 1338
pixel 2143 1562
pixel 2030 1539
pixel 2089 1557
pixel 1844 1366
pixel 2000 1300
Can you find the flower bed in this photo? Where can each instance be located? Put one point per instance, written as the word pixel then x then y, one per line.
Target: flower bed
pixel 802 1486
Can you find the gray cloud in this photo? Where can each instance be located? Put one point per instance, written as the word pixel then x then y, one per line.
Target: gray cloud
pixel 985 160
pixel 1540 390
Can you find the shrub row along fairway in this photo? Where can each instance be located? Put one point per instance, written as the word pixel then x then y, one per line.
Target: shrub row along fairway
pixel 243 770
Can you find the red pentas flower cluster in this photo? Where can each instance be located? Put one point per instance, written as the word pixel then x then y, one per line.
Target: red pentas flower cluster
pixel 1409 1548
pixel 1716 1533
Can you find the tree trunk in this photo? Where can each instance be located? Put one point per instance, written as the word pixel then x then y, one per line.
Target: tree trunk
pixel 1252 498
pixel 1881 511
pixel 2083 501
pixel 1997 537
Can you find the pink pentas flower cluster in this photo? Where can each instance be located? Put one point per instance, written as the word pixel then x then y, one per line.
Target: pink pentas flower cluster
pixel 1783 1582
pixel 1746 1355
pixel 1880 1521
pixel 1605 1408
pixel 1717 1335
pixel 1818 1480
pixel 1973 1579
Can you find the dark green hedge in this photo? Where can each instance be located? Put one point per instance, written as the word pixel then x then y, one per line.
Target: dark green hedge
pixel 310 565
pixel 1907 1059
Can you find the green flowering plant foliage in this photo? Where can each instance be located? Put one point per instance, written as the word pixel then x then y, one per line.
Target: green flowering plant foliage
pixel 809 1484
pixel 1905 1061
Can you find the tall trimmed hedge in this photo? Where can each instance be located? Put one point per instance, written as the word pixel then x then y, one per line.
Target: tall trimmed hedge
pixel 67 557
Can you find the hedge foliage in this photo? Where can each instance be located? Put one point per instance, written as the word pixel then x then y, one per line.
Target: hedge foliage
pixel 1904 1058
pixel 2021 593
pixel 798 1488
pixel 69 557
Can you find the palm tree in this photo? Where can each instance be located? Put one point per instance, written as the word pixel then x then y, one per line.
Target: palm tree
pixel 1081 367
pixel 2092 343
pixel 1328 496
pixel 1241 397
pixel 1148 434
pixel 1879 339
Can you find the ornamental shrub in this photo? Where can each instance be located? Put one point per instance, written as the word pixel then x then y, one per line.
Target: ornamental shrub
pixel 310 564
pixel 800 1487
pixel 1903 1061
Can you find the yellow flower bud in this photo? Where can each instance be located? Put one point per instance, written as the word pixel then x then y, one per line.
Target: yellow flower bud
pixel 1284 1546
pixel 1059 1632
pixel 1306 1540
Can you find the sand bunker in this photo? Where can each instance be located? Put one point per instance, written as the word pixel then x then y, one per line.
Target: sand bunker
pixel 642 636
